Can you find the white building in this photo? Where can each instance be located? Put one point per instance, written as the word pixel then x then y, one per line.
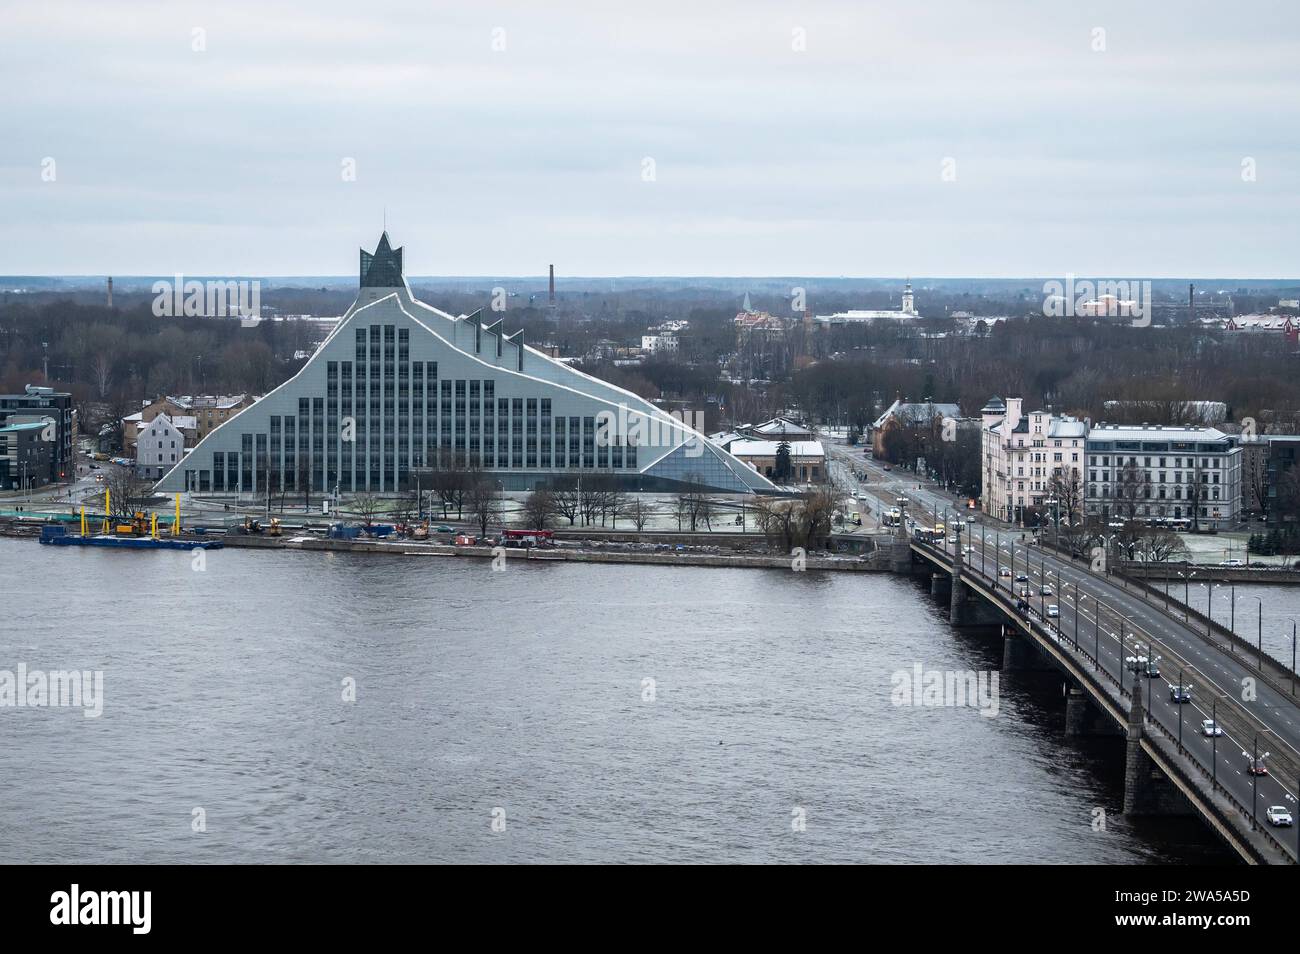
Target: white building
pixel 159 445
pixel 665 341
pixel 870 316
pixel 1155 474
pixel 1021 454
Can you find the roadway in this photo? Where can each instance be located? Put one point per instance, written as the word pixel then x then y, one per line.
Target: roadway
pixel 1113 624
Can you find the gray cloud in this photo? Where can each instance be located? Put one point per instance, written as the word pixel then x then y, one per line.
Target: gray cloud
pixel 768 160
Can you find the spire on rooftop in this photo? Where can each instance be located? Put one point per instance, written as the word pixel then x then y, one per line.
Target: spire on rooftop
pixel 383 269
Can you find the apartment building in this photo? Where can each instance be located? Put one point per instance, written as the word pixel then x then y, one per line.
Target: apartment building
pixel 1157 474
pixel 1021 457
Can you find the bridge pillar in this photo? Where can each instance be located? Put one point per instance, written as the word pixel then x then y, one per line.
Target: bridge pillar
pixel 901 548
pixel 1146 789
pixel 1082 717
pixel 1016 651
pixel 957 592
pixel 940 585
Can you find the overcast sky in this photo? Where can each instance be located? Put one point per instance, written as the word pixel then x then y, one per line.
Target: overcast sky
pixel 768 158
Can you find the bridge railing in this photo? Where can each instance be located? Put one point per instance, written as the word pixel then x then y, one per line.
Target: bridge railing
pixel 1104 682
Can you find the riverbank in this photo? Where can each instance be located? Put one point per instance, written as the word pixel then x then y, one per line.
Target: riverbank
pixel 602 553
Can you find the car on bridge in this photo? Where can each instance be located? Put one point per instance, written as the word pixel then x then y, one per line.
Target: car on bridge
pixel 1211 728
pixel 1047 589
pixel 1255 766
pixel 1180 694
pixel 1152 671
pixel 1278 816
pixel 1052 609
pixel 1004 571
pixel 1021 578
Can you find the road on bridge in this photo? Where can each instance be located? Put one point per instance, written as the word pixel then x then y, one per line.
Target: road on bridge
pixel 1112 625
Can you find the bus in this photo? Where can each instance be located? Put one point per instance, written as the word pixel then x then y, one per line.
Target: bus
pixel 893 517
pixel 1180 524
pixel 933 535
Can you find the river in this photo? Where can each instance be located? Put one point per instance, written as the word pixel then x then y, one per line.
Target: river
pixel 510 717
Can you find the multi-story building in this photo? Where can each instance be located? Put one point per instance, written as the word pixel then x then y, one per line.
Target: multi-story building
pixel 400 387
pixel 24 456
pixel 1283 455
pixel 46 404
pixel 1155 474
pixel 1030 464
pixel 909 414
pixel 160 444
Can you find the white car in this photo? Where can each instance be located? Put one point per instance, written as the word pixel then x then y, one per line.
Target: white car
pixel 1278 816
pixel 1047 589
pixel 1052 609
pixel 1209 727
pixel 1232 563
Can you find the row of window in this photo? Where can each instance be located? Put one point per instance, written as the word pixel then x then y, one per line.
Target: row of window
pixel 1211 463
pixel 310 451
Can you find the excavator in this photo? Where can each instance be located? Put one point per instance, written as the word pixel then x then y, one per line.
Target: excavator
pixel 138 527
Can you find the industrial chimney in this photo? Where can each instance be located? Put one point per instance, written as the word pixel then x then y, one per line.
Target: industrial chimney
pixel 552 299
pixel 110 291
pixel 1191 303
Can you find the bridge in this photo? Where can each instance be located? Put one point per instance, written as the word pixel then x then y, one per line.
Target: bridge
pixel 1092 629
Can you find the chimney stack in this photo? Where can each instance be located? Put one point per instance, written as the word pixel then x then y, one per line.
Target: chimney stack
pixel 110 291
pixel 1191 303
pixel 552 286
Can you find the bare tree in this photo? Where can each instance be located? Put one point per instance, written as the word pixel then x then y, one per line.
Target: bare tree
pixel 566 499
pixel 639 512
pixel 367 506
pixel 483 502
pixel 1131 487
pixel 1196 495
pixel 539 509
pixel 1161 545
pixel 1067 488
pixel 126 492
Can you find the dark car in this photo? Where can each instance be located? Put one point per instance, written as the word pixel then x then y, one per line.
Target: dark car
pixel 1152 671
pixel 1180 694
pixel 1021 578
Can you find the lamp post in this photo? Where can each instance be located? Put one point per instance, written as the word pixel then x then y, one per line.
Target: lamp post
pixel 1232 618
pixel 1293 641
pixel 1214 745
pixel 1042 582
pixel 1254 782
pixel 1077 597
pixel 1179 706
pixel 1187 598
pixel 1259 636
pixel 1096 633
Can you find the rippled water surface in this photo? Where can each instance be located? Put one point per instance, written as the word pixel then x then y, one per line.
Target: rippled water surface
pixel 523 691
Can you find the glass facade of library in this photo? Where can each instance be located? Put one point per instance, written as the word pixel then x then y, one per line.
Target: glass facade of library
pixel 395 392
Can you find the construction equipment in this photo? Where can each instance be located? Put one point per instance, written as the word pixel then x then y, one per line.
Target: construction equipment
pixel 138 527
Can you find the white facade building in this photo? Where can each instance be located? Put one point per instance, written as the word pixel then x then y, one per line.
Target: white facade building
pixel 1022 453
pixel 158 446
pixel 1154 474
